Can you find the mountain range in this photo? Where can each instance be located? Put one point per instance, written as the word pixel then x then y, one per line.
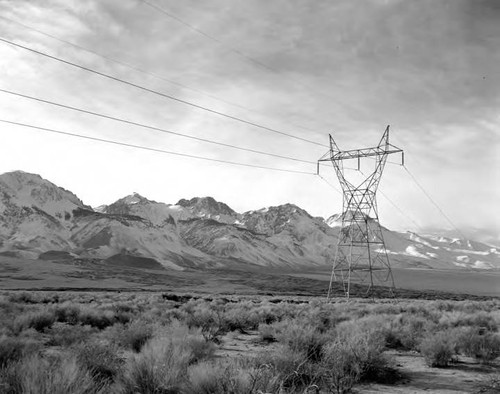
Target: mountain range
pixel 39 220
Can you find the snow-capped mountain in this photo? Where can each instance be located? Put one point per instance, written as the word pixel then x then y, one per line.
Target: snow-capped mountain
pixel 408 249
pixel 37 216
pixel 438 251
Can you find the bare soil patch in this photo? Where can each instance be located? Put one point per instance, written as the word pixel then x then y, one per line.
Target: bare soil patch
pixel 465 376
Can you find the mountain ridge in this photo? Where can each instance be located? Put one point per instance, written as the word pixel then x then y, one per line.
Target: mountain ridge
pixel 37 217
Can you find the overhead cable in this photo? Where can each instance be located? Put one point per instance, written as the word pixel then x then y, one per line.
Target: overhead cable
pixel 164 95
pixel 114 142
pixel 394 204
pixel 400 210
pixel 141 70
pixel 329 184
pixel 434 202
pixel 159 129
pixel 209 36
pixel 233 49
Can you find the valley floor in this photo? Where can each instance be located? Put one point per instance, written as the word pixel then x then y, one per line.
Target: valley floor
pixel 476 282
pixel 95 274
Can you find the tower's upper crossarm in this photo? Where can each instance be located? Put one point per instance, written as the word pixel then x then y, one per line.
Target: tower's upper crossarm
pixel 359 153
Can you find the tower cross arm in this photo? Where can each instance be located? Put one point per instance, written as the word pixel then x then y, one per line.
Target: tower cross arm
pixel 359 153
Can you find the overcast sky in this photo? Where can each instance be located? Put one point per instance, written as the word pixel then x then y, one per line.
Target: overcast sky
pixel 430 69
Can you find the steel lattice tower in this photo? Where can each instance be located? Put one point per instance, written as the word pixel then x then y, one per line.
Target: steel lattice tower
pixel 361 253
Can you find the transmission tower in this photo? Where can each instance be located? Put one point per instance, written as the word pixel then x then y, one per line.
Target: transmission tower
pixel 361 253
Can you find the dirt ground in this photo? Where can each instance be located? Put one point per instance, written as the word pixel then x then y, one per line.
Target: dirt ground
pixel 465 376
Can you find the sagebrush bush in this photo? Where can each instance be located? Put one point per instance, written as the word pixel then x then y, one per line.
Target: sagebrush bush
pixel 13 349
pixel 23 297
pixel 482 320
pixel 300 337
pixel 210 378
pixel 365 340
pixel 63 334
pixel 221 377
pixel 240 319
pixel 38 375
pixel 161 366
pixel 484 347
pixel 438 349
pixel 39 320
pixel 477 320
pixel 124 307
pixel 9 310
pixel 199 314
pixel 340 366
pixel 407 331
pixel 292 370
pixel 68 313
pixel 267 313
pixel 101 360
pixel 96 318
pixel 131 336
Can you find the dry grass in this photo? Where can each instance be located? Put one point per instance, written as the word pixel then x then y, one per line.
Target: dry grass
pixel 144 342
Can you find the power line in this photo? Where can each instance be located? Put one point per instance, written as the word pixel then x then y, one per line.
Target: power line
pixel 394 205
pixel 400 210
pixel 159 129
pixel 329 184
pixel 114 142
pixel 234 50
pixel 141 70
pixel 170 97
pixel 210 37
pixel 434 203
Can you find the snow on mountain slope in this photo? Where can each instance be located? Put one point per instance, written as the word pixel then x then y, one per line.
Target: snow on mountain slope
pixel 408 249
pixel 334 220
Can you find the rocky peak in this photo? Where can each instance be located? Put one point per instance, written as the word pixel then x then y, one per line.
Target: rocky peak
pixel 274 220
pixel 157 213
pixel 33 185
pixel 22 189
pixel 206 206
pixel 123 206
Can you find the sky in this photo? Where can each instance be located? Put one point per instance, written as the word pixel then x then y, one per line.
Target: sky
pixel 429 69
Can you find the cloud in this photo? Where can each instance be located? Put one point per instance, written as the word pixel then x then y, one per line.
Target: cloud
pixel 430 69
